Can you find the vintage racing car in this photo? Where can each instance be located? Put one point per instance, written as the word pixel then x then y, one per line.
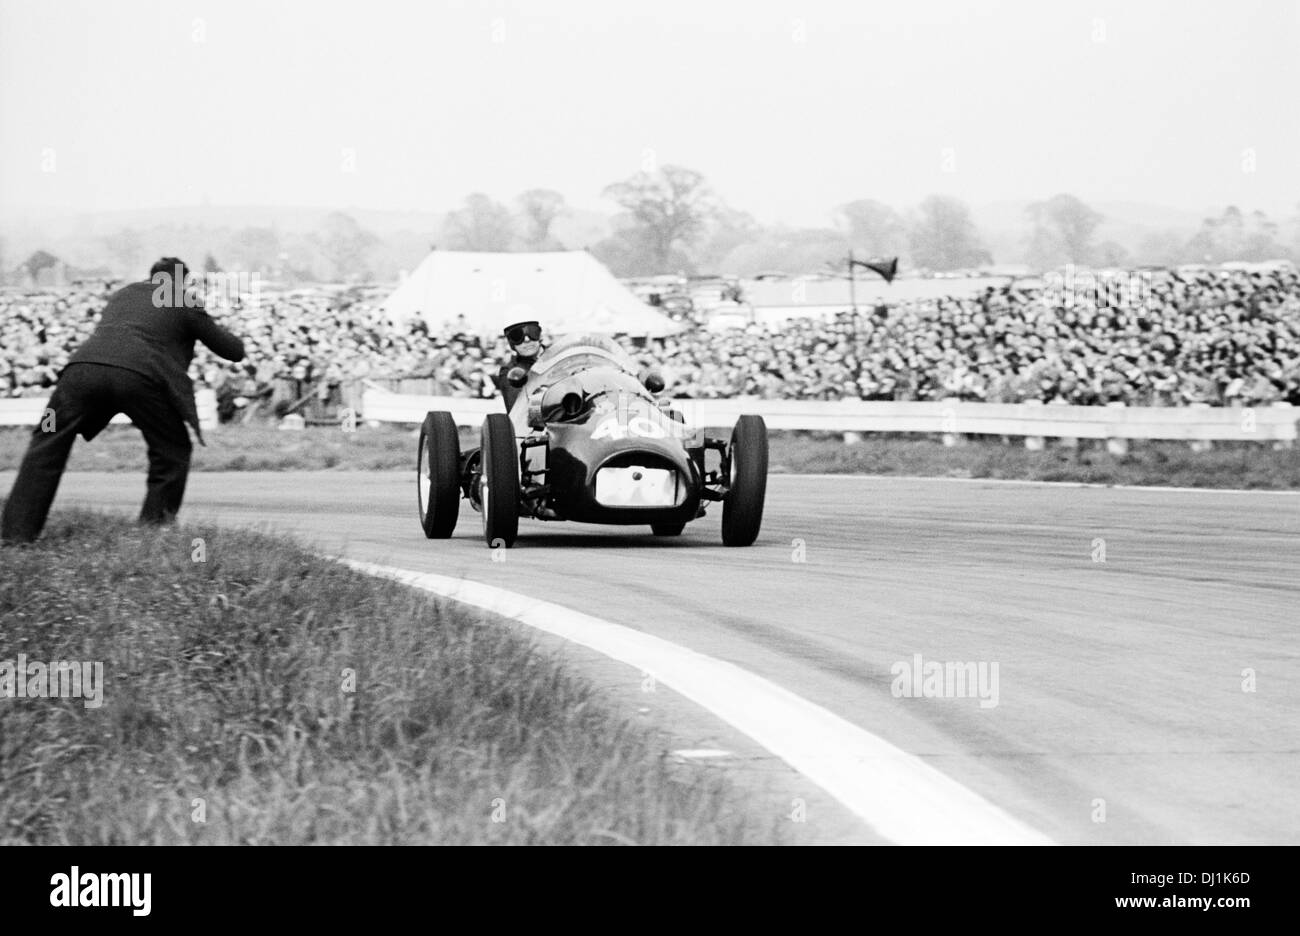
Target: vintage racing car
pixel 588 440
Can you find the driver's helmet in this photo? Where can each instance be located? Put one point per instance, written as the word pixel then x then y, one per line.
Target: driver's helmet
pixel 523 332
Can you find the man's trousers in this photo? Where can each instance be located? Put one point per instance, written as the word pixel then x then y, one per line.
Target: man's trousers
pixel 86 398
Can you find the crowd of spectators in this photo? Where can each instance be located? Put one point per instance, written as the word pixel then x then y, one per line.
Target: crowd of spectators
pixel 315 344
pixel 299 345
pixel 1221 337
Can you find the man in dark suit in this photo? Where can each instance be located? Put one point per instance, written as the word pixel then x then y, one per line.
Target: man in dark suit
pixel 136 362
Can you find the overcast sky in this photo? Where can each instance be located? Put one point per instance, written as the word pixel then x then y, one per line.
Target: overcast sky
pixel 789 109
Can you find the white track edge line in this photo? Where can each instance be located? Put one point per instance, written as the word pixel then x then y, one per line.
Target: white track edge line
pixel 898 794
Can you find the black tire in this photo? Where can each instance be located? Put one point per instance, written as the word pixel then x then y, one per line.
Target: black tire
pixel 437 475
pixel 667 529
pixel 742 511
pixel 500 484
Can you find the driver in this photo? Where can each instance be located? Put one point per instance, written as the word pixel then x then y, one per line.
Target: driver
pixel 525 340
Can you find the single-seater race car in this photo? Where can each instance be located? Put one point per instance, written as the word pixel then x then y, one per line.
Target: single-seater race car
pixel 587 440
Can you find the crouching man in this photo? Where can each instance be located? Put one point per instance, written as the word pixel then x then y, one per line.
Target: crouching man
pixel 135 362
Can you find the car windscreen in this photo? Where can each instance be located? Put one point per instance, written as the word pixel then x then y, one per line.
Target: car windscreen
pixel 576 353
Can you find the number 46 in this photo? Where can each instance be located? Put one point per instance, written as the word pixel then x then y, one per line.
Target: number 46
pixel 639 426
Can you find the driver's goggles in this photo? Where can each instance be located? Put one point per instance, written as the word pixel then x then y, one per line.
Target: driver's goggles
pixel 518 334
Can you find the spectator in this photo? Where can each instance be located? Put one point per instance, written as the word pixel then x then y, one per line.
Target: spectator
pixel 1221 337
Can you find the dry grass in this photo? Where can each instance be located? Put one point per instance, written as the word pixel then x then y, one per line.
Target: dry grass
pixel 262 448
pixel 229 689
pixel 1228 465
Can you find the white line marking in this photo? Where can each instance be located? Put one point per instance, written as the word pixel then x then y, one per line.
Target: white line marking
pixel 1074 484
pixel 899 795
pixel 690 753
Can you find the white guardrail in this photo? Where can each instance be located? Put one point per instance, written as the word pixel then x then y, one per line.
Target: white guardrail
pixel 1034 421
pixel 27 411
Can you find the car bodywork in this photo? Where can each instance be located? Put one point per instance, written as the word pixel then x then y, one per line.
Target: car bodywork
pixel 596 446
pixel 587 439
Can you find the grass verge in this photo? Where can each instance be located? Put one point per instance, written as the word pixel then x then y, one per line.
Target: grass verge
pixel 262 448
pixel 1173 464
pixel 284 699
pixel 244 448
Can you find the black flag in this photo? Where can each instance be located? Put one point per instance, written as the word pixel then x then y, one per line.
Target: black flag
pixel 886 268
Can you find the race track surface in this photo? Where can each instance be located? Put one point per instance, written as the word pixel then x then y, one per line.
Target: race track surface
pixel 1120 713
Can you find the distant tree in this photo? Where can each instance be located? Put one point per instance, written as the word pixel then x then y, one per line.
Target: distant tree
pixel 125 247
pixel 943 236
pixel 874 228
pixel 622 254
pixel 1044 251
pixel 540 208
pixel 210 264
pixel 726 232
pixel 1111 254
pixel 301 259
pixel 482 224
pixel 1236 236
pixel 256 248
pixel 626 253
pixel 1219 238
pixel 1261 239
pixel 1068 224
pixel 666 213
pixel 344 244
pixel 789 250
pixel 38 261
pixel 1166 248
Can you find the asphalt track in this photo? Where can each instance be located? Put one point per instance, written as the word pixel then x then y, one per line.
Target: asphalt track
pixel 1121 714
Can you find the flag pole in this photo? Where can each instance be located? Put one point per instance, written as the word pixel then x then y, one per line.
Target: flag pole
pixel 853 292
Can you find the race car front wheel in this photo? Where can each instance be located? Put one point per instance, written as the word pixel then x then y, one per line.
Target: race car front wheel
pixel 437 475
pixel 500 481
pixel 742 510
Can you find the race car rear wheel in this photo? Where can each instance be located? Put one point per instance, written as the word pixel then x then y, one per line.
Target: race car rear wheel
pixel 667 529
pixel 437 475
pixel 500 482
pixel 742 510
